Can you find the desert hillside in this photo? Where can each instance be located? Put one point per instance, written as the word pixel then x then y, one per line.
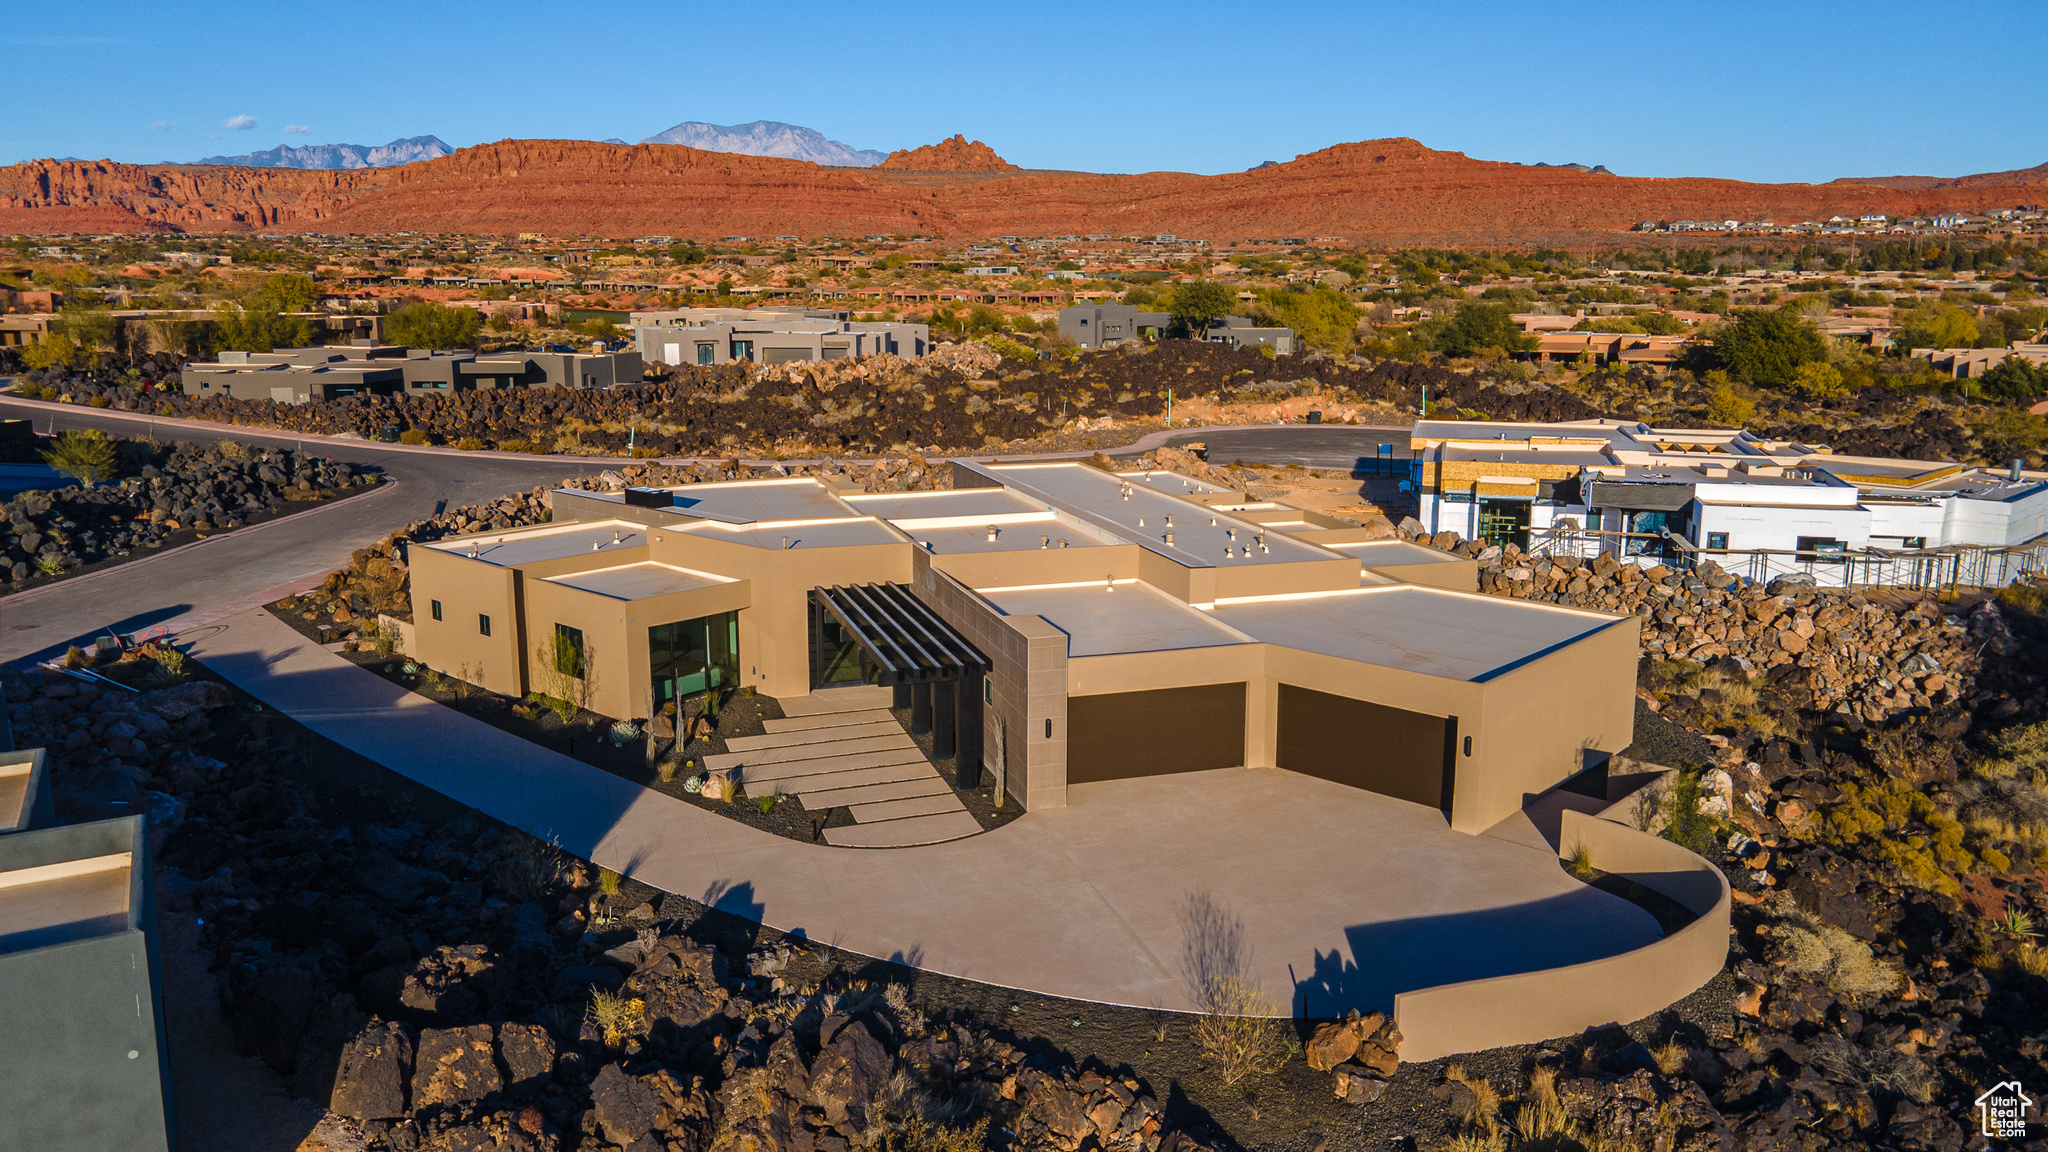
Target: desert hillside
pixel 1393 191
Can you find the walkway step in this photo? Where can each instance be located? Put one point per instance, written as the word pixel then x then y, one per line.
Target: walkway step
pixel 906 832
pixel 806 739
pixel 898 742
pixel 882 810
pixel 903 762
pixel 828 720
pixel 838 700
pixel 829 792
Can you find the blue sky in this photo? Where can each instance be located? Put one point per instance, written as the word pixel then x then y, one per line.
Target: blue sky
pixel 1774 92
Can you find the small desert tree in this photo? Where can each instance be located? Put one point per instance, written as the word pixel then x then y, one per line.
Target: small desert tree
pixel 562 671
pixel 86 455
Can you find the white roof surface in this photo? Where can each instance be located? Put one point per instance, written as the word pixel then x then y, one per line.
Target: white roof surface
pixel 639 581
pixel 932 505
pixel 1098 622
pixel 1203 535
pixel 1463 636
pixel 1386 553
pixel 839 533
pixel 531 545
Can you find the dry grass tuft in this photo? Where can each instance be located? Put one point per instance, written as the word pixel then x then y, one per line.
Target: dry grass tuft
pixel 617 1017
pixel 1237 1032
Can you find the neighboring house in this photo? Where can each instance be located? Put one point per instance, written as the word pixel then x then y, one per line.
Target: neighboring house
pixel 1108 325
pixel 1068 624
pixel 300 375
pixel 1240 333
pixel 1710 490
pixel 772 337
pixel 1971 363
pixel 84 1065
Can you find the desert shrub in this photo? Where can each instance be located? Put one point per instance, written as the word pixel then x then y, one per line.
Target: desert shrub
pixel 1483 1124
pixel 1823 952
pixel 1007 348
pixel 616 1016
pixel 470 444
pixel 530 870
pixel 85 455
pixel 1580 862
pixel 1684 824
pixel 412 436
pixel 608 881
pixel 1237 1032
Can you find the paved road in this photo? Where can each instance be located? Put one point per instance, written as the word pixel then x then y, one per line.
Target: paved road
pixel 1346 446
pixel 226 573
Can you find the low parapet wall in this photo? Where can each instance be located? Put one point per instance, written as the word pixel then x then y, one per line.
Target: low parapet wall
pixel 1530 1007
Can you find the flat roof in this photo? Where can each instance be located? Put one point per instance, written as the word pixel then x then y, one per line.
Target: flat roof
pixel 1461 636
pixel 797 498
pixel 532 545
pixel 1386 553
pixel 1175 484
pixel 832 533
pixel 1139 513
pixel 895 506
pixel 1099 622
pixel 1046 531
pixel 639 581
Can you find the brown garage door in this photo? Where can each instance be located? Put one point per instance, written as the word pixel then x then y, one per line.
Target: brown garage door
pixel 1391 751
pixel 1154 733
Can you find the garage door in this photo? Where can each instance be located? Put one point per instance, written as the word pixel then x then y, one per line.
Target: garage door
pixel 1154 733
pixel 1392 751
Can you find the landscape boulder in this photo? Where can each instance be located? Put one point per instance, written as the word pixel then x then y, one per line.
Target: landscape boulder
pixel 376 1070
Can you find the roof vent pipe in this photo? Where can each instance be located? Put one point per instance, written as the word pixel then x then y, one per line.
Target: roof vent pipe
pixel 2014 475
pixel 785 543
pixel 1045 541
pixel 1169 535
pixel 991 533
pixel 1063 542
pixel 1109 583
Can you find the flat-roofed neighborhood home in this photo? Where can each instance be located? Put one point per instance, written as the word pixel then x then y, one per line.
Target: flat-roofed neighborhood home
pixel 1654 494
pixel 364 367
pixel 83 1061
pixel 709 336
pixel 1068 624
pixel 1108 325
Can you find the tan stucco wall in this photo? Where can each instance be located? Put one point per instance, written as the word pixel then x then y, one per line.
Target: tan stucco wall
pixel 1538 721
pixel 452 645
pixel 1454 575
pixel 615 634
pixel 1529 727
pixel 1531 1007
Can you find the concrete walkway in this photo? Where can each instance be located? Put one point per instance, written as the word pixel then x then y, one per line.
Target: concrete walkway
pixel 843 746
pixel 1341 898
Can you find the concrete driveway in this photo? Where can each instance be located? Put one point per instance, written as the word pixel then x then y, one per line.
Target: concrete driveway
pixel 1329 897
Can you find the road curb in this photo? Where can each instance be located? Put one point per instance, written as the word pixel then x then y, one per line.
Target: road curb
pixel 183 549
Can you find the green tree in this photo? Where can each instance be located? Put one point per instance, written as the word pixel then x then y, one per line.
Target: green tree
pixel 1820 380
pixel 431 325
pixel 1199 303
pixel 86 455
pixel 1660 323
pixel 1725 405
pixel 1767 346
pixel 1478 324
pixel 1324 319
pixel 2014 379
pixel 90 328
pixel 1936 324
pixel 242 328
pixel 53 351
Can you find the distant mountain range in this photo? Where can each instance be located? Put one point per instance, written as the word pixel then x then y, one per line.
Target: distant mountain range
pixel 768 138
pixel 407 151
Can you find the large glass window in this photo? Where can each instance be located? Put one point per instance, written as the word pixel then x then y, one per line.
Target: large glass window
pixel 569 651
pixel 692 655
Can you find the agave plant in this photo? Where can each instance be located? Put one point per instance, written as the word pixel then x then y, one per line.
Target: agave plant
pixel 2017 924
pixel 694 785
pixel 623 731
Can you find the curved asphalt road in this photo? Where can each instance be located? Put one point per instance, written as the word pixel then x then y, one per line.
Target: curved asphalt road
pixel 229 573
pixel 236 570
